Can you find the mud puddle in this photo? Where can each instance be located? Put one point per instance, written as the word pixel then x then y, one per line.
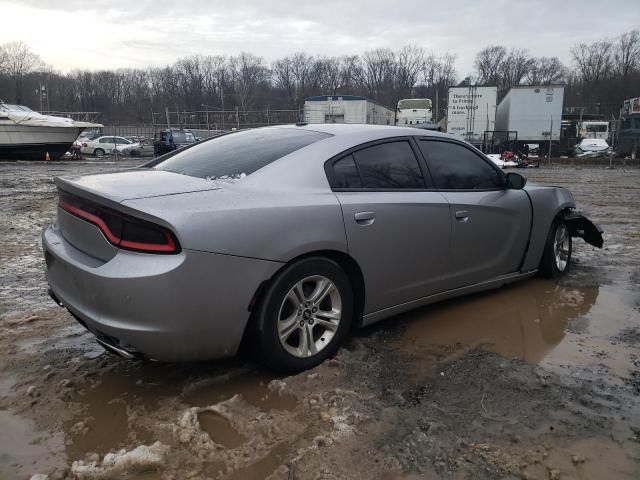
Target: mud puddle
pixel 537 321
pixel 23 448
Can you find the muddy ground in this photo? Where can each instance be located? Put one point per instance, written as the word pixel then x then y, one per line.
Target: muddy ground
pixel 536 380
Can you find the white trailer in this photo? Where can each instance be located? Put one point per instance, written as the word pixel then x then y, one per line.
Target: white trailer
pixel 471 111
pixel 535 112
pixel 346 109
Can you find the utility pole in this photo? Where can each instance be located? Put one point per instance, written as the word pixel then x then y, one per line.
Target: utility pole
pixel 222 100
pixel 550 137
pixel 166 112
pixel 237 119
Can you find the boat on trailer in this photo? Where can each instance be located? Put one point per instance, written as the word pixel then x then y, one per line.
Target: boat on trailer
pixel 29 135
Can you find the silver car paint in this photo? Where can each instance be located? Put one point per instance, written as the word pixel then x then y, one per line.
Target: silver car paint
pixel 547 202
pixel 190 306
pixel 403 251
pixel 234 237
pixel 489 235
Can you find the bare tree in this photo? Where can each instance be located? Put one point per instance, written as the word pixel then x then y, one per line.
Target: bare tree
pixel 546 71
pixel 377 73
pixel 514 68
pixel 350 72
pixel 626 58
pixel 3 58
pixel 409 63
pixel 593 61
pixel 249 74
pixel 488 64
pixel 18 62
pixel 283 78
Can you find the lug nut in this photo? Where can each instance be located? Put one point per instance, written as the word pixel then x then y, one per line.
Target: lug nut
pixel 301 323
pixel 314 309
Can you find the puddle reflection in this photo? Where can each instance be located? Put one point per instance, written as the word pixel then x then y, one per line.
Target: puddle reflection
pixel 524 321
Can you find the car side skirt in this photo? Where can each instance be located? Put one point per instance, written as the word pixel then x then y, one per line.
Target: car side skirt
pixel 497 282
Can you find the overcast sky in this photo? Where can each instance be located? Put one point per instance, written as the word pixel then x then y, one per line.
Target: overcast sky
pixel 99 34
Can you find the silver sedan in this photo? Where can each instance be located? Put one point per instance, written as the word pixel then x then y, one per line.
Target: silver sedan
pixel 287 237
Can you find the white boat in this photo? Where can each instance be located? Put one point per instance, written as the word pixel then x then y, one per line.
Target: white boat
pixel 26 135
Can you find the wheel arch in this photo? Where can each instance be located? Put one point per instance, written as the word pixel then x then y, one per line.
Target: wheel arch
pixel 344 260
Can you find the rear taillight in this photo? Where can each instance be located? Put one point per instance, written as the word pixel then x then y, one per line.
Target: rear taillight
pixel 122 231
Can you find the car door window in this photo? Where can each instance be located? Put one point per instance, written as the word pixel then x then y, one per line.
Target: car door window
pixel 385 166
pixel 345 173
pixel 105 140
pixel 456 167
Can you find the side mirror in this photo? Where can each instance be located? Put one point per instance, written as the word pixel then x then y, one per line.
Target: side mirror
pixel 515 181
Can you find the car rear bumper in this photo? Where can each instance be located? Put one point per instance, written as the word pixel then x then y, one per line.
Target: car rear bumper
pixel 189 306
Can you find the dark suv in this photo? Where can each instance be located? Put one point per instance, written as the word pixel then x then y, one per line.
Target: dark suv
pixel 171 139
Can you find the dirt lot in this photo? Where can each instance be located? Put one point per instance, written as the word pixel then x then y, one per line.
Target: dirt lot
pixel 537 380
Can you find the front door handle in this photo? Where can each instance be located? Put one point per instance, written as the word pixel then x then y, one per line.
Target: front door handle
pixel 462 215
pixel 365 218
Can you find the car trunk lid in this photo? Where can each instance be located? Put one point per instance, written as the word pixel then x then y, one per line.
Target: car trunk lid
pixel 133 184
pixel 92 218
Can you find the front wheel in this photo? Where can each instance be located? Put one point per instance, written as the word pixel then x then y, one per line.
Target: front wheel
pixel 556 257
pixel 305 315
pixel 98 152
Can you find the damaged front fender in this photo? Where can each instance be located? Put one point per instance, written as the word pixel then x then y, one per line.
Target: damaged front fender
pixel 581 226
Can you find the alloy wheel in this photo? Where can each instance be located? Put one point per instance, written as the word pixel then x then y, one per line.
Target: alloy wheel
pixel 561 247
pixel 309 316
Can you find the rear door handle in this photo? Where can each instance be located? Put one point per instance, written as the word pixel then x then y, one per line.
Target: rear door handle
pixel 462 215
pixel 365 218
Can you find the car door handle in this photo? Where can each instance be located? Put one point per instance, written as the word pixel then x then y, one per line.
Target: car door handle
pixel 462 215
pixel 365 218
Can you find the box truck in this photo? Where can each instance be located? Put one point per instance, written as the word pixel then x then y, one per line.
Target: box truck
pixel 533 112
pixel 628 133
pixel 346 109
pixel 471 111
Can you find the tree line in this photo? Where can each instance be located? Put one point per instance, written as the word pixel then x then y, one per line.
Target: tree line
pixel 602 74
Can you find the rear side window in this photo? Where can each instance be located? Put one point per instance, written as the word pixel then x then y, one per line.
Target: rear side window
pixel 385 166
pixel 239 153
pixel 346 173
pixel 455 167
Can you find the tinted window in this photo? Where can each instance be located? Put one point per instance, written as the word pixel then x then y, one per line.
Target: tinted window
pixel 454 167
pixel 178 137
pixel 345 173
pixel 239 153
pixel 389 165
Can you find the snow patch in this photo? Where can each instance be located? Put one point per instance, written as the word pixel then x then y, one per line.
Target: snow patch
pixel 114 465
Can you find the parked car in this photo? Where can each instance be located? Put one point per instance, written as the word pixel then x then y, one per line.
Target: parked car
pixel 592 146
pixel 288 236
pixel 102 146
pixel 168 140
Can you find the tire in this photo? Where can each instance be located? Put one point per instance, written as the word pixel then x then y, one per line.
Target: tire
pixel 556 258
pixel 98 152
pixel 283 323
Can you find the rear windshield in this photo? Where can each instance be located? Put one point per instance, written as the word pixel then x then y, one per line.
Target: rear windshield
pixel 239 153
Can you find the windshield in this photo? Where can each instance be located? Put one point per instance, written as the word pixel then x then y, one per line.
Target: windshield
pixel 597 127
pixel 240 153
pixel 19 108
pixel 414 103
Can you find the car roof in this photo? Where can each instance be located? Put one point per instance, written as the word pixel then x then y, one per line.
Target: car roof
pixel 374 131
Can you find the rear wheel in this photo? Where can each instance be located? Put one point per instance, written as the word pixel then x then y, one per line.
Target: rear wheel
pixel 98 152
pixel 556 257
pixel 305 315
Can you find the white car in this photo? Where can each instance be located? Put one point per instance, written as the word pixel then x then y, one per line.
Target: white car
pixel 108 145
pixel 592 146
